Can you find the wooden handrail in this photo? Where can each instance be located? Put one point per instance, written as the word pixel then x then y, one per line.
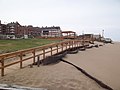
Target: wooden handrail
pixel 33 51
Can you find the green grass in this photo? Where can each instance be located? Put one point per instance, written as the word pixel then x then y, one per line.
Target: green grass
pixel 14 45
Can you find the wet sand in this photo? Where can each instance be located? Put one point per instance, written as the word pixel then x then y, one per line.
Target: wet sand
pixel 102 63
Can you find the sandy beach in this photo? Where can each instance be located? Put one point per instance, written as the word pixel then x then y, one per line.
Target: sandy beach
pixel 60 76
pixel 102 63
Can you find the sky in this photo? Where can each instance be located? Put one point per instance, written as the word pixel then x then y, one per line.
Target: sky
pixel 81 16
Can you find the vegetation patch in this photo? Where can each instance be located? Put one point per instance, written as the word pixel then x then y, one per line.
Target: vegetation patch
pixel 19 44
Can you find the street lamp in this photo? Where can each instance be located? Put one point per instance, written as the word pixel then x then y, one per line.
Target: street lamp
pixel 83 32
pixel 103 33
pixel 83 37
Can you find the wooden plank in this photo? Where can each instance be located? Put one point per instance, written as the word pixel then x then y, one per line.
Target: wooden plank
pixel 9 55
pixel 16 62
pixel 43 53
pixel 28 58
pixel 9 64
pixel 54 49
pixel 38 54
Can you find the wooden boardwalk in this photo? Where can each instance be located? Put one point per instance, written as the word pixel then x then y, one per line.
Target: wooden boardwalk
pixel 22 58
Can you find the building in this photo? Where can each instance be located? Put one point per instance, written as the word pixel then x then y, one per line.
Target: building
pixel 87 37
pixel 69 34
pixel 12 28
pixel 15 30
pixel 28 31
pixel 2 31
pixel 37 31
pixel 51 31
pixel 33 31
pixel 2 28
pixel 21 32
pixel 97 37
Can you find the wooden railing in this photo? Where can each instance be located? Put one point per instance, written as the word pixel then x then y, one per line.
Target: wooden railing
pixel 32 54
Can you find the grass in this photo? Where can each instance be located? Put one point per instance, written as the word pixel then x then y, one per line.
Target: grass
pixel 14 45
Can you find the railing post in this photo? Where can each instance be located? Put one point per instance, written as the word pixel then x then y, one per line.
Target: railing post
pixel 72 44
pixel 2 67
pixel 69 44
pixel 43 53
pixel 21 59
pixel 57 48
pixel 77 44
pixel 51 50
pixel 33 56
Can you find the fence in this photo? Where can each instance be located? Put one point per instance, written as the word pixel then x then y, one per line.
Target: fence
pixel 31 54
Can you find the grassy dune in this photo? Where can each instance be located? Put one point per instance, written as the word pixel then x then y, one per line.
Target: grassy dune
pixel 14 45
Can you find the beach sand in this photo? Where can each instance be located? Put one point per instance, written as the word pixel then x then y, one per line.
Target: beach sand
pixel 60 76
pixel 102 63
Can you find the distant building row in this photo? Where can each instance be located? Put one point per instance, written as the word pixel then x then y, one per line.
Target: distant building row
pixel 15 30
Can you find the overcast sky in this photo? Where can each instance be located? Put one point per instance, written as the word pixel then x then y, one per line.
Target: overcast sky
pixel 88 16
